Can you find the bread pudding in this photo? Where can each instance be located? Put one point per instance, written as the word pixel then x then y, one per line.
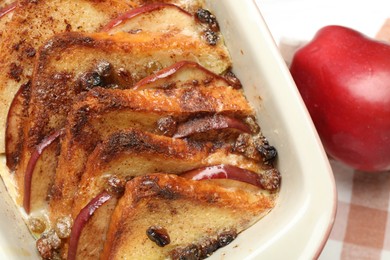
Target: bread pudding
pixel 127 133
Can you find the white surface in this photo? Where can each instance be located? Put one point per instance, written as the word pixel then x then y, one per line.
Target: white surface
pixel 300 19
pixel 299 225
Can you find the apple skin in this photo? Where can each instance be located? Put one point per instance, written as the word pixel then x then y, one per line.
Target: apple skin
pixel 139 11
pixel 270 179
pixel 204 124
pixel 344 80
pixel 31 166
pixel 82 219
pixel 179 74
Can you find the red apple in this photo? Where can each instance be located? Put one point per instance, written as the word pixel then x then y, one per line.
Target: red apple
pixel 344 79
pixel 180 74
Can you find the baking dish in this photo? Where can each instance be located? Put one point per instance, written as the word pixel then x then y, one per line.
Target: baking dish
pixel 300 223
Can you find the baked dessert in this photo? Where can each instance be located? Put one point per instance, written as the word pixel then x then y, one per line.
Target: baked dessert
pixel 128 136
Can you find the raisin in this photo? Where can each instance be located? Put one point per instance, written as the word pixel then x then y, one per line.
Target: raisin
pixel 158 235
pixel 205 16
pixel 210 37
pixel 271 180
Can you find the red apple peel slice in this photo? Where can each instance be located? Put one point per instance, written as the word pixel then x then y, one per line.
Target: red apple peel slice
pixel 31 166
pixel 175 69
pixel 82 219
pixel 7 9
pixel 137 11
pixel 224 171
pixel 204 124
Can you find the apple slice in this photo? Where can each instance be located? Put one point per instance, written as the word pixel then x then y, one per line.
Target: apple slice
pixel 207 123
pixel 7 9
pixel 14 126
pixel 268 180
pixel 181 74
pixel 84 218
pixel 159 17
pixel 167 19
pixel 37 177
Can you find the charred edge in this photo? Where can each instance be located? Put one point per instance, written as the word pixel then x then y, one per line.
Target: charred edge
pixel 62 41
pixel 149 186
pixel 15 71
pixel 205 248
pixel 137 142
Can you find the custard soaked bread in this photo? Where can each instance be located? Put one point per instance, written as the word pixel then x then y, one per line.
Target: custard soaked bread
pixel 104 112
pixel 71 63
pixel 153 219
pixel 136 141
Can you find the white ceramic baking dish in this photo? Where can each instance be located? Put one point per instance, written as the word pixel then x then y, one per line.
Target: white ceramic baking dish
pixel 300 224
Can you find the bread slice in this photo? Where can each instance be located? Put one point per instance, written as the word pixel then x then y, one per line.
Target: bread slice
pixel 33 22
pixel 130 153
pixel 198 217
pixel 102 112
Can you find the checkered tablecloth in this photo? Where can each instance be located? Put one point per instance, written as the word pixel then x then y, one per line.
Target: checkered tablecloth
pixel 362 226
